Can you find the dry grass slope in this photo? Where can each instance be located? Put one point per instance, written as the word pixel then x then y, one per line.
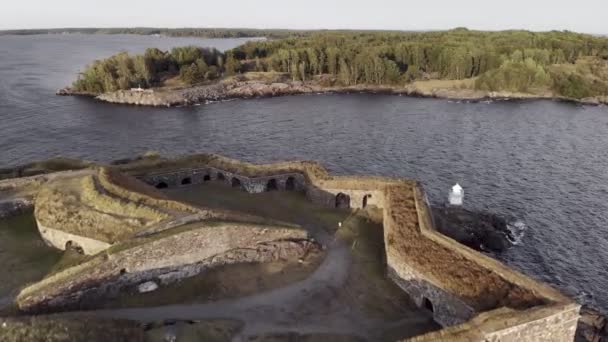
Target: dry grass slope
pixel 94 206
pixel 63 209
pixel 135 191
pixel 92 195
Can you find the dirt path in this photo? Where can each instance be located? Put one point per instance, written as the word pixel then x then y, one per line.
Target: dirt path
pixel 308 306
pixel 274 310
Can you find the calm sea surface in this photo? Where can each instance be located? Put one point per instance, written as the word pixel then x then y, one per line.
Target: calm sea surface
pixel 543 163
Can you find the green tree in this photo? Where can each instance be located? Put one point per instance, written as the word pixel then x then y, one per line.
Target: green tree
pixel 186 55
pixel 344 72
pixel 232 65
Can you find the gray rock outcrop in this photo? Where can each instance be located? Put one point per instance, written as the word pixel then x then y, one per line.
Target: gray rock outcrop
pixel 479 230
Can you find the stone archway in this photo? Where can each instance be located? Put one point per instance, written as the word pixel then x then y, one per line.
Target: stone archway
pixel 272 185
pixel 220 176
pixel 187 181
pixel 73 246
pixel 236 183
pixel 365 200
pixel 426 303
pixel 206 178
pixel 290 184
pixel 342 201
pixel 162 185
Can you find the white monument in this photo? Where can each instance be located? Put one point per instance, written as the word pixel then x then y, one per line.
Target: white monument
pixel 456 195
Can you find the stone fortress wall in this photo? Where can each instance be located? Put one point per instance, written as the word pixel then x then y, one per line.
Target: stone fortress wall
pixel 473 296
pixel 295 181
pixel 97 209
pixel 287 181
pixel 163 259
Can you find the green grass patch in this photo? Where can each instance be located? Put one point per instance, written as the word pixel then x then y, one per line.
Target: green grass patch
pixel 68 328
pixel 24 257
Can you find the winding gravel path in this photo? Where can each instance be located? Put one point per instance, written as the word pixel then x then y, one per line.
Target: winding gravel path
pixel 274 310
pixel 307 306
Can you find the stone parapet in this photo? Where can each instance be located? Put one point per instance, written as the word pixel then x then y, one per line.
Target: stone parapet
pixel 167 259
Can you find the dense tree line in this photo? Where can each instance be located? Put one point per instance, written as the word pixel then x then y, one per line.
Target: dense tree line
pixel 507 60
pixel 587 77
pixel 124 71
pixel 569 64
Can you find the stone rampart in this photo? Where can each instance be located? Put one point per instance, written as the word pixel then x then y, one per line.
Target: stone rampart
pixel 474 296
pixel 184 177
pixel 559 324
pixel 164 259
pixel 79 209
pixel 345 198
pixel 548 323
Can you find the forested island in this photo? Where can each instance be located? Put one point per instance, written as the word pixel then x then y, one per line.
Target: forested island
pixel 460 64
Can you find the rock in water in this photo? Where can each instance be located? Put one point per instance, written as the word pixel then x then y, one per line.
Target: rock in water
pixel 479 230
pixel 592 326
pixel 147 287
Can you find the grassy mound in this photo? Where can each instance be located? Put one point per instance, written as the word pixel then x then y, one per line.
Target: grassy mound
pixel 93 206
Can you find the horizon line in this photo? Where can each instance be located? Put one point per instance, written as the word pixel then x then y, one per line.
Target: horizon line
pixel 288 29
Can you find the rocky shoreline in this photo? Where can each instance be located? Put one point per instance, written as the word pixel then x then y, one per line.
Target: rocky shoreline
pixel 592 326
pixel 243 88
pixel 482 231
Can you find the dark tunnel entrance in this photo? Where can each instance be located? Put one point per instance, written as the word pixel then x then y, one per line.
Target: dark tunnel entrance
pixel 272 185
pixel 342 201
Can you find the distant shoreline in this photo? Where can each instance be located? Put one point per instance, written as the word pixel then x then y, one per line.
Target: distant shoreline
pixel 168 32
pixel 246 87
pixel 215 31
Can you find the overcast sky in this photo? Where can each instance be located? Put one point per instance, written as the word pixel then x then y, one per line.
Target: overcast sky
pixel 582 15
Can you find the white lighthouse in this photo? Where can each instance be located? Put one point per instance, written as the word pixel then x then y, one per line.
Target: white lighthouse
pixel 456 195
